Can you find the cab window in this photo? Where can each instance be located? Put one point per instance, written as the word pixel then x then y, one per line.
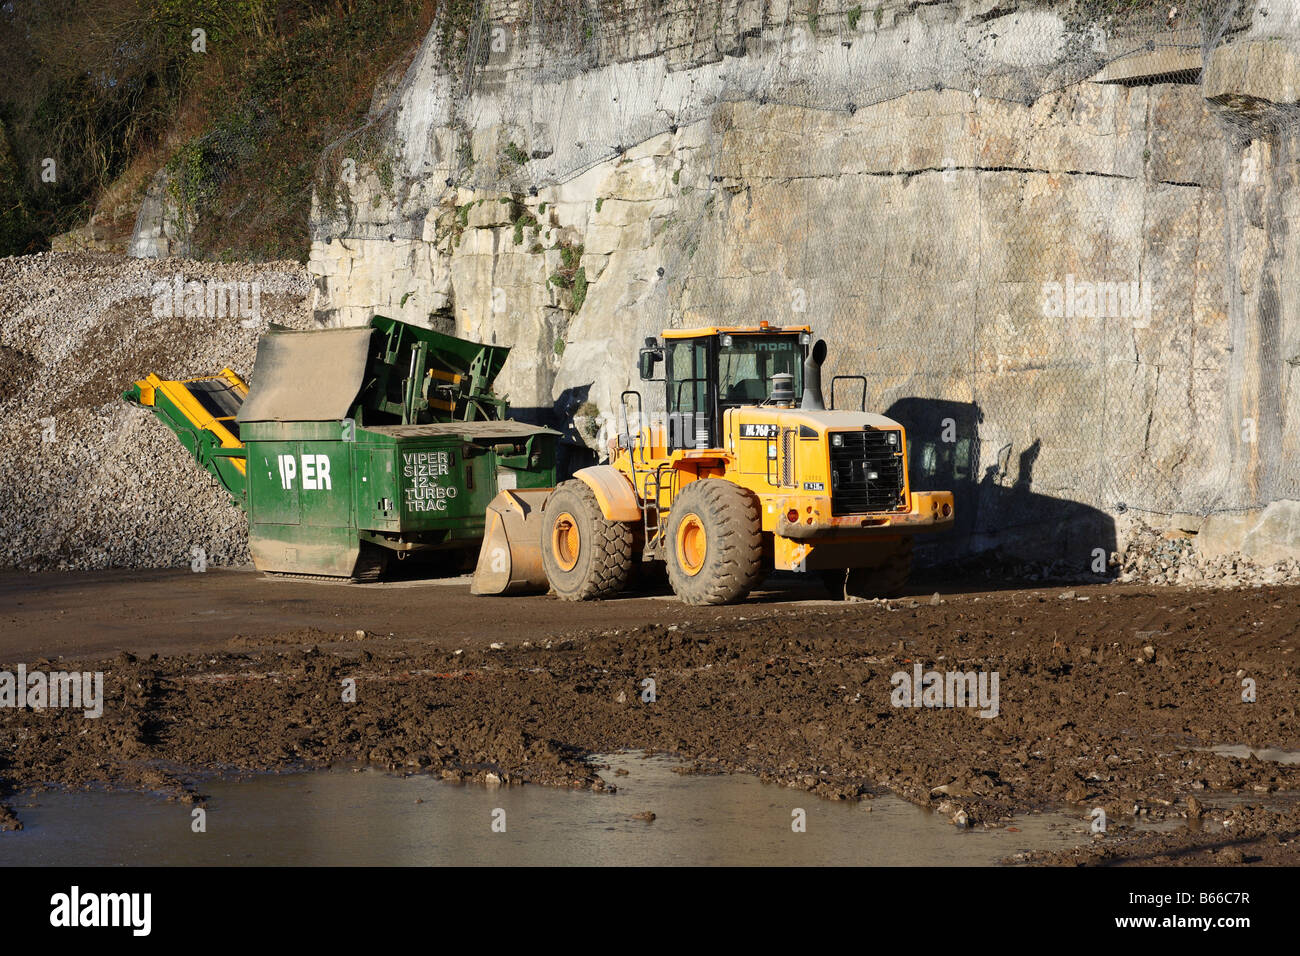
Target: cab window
pixel 690 418
pixel 746 367
pixel 687 376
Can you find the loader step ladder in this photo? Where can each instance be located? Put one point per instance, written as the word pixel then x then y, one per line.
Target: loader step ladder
pixel 652 508
pixel 653 486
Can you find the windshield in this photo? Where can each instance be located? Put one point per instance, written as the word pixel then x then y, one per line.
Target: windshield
pixel 700 389
pixel 746 367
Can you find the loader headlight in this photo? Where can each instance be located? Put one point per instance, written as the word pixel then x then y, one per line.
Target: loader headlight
pixel 893 438
pixel 837 440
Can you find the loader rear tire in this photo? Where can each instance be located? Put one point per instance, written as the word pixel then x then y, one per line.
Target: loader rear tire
pixel 715 543
pixel 888 579
pixel 371 564
pixel 586 556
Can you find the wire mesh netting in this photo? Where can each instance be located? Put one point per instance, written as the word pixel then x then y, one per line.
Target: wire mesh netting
pixel 1050 237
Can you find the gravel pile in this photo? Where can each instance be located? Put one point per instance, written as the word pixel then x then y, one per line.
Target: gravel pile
pixel 1151 556
pixel 87 481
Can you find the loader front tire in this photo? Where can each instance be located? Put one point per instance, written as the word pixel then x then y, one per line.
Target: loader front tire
pixel 715 543
pixel 586 556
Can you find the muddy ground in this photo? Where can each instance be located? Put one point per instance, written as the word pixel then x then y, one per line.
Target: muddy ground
pixel 1105 692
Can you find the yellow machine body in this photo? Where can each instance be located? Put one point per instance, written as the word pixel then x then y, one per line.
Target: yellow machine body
pixel 744 405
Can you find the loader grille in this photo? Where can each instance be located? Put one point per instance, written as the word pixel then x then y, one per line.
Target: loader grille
pixel 866 472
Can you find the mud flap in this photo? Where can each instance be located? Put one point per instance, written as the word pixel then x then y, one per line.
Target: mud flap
pixel 510 560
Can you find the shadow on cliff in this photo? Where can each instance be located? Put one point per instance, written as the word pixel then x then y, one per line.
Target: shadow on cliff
pixel 1009 531
pixel 571 452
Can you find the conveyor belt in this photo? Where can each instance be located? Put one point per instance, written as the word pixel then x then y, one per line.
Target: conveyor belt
pixel 202 412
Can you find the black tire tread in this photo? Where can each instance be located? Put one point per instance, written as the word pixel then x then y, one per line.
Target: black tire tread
pixel 733 564
pixel 610 566
pixel 371 563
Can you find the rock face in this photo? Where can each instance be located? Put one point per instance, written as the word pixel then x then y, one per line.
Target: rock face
pixel 1265 537
pixel 1068 271
pixel 159 232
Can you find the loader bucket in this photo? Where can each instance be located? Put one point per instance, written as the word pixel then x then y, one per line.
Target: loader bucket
pixel 510 561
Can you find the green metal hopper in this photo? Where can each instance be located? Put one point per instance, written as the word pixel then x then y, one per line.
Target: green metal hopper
pixel 356 445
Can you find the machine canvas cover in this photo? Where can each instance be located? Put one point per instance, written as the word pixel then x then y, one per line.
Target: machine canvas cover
pixel 306 376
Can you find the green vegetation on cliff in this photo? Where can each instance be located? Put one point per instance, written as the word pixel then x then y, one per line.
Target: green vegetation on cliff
pixel 236 98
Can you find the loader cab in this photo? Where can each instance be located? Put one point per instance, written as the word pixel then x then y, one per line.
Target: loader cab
pixel 708 371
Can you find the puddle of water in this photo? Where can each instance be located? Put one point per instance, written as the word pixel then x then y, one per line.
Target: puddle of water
pixel 1262 753
pixel 341 817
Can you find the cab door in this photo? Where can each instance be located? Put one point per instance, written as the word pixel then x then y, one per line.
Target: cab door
pixel 692 394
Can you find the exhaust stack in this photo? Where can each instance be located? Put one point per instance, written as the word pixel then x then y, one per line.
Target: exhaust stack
pixel 812 378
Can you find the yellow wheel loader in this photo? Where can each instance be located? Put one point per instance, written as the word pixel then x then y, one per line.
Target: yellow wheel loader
pixel 744 472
